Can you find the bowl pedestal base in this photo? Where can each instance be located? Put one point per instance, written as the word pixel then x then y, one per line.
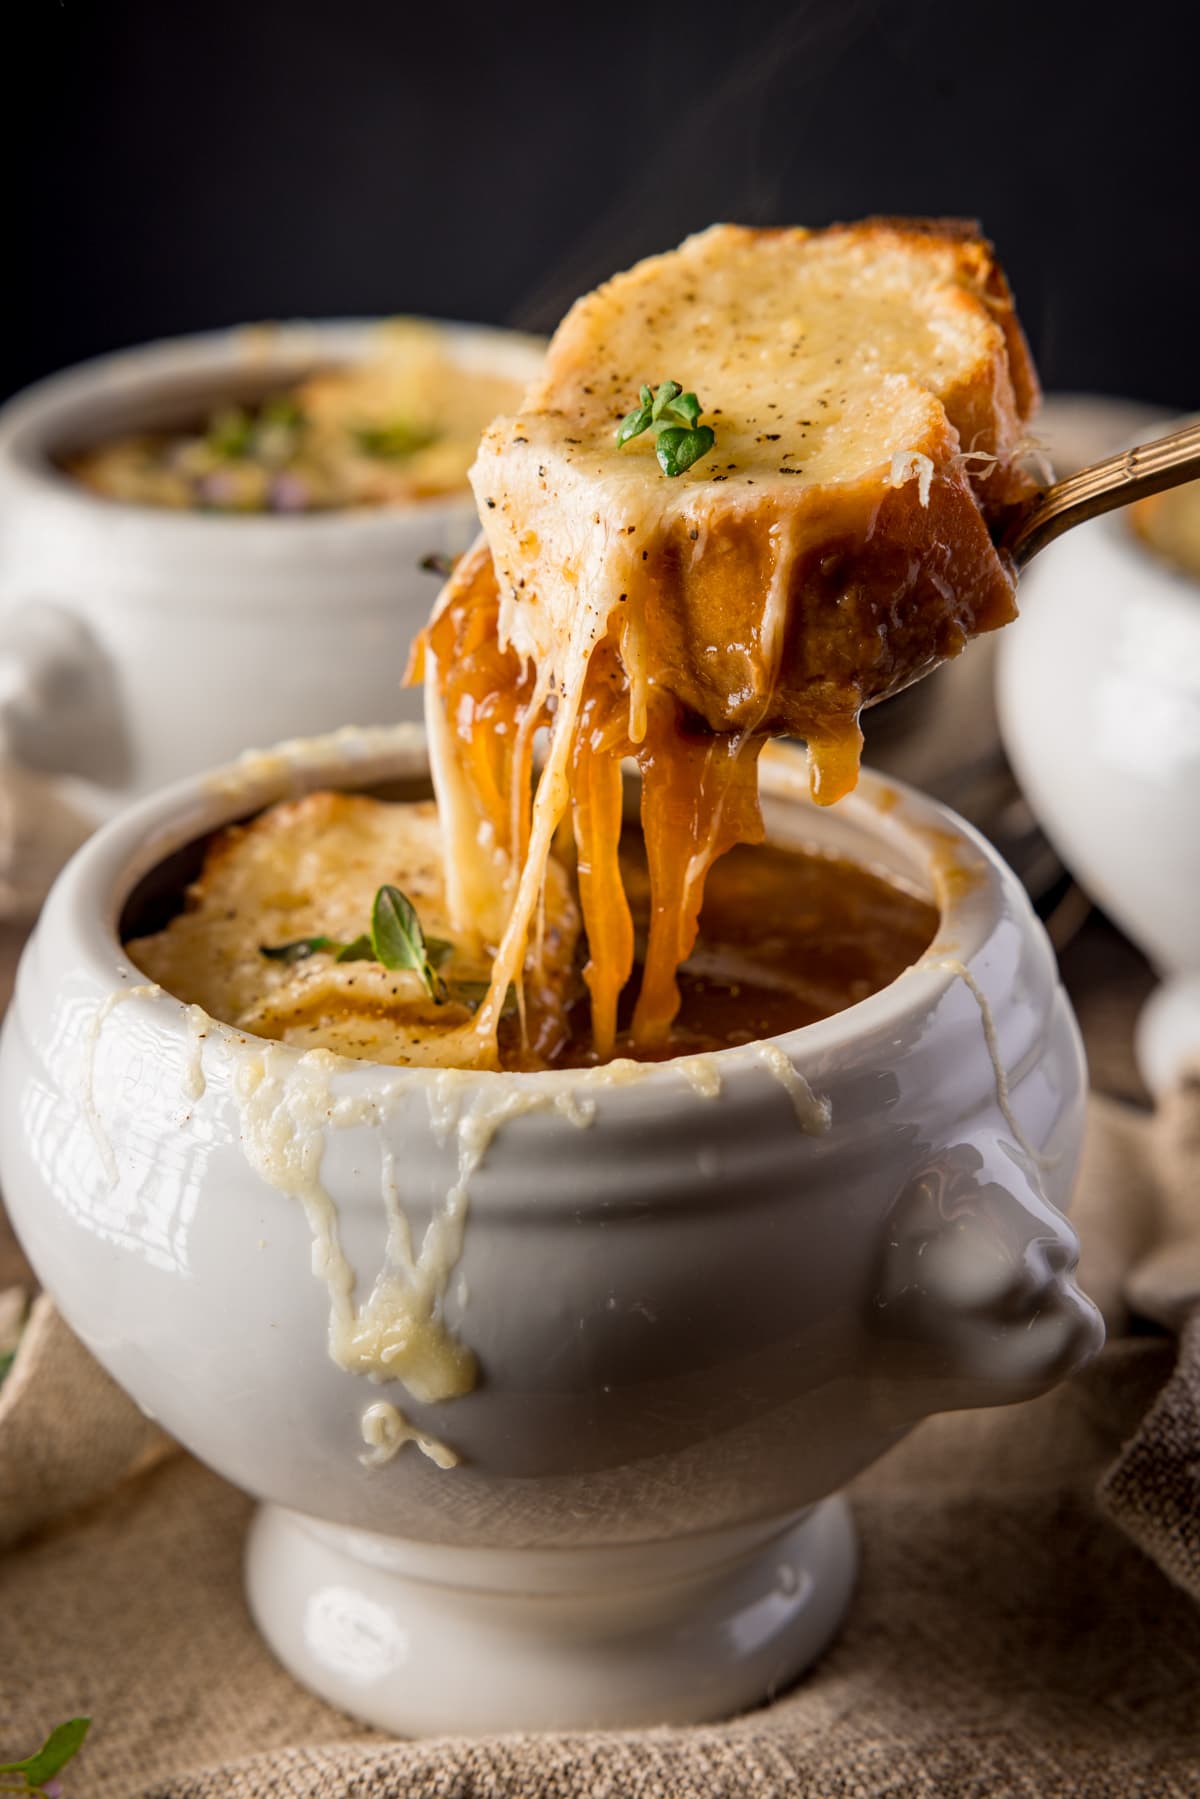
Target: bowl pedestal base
pixel 425 1640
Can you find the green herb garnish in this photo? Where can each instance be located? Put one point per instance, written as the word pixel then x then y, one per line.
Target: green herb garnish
pixel 395 939
pixel 399 941
pixel 392 443
pixel 281 413
pixel 38 1769
pixel 301 948
pixel 673 416
pixel 229 434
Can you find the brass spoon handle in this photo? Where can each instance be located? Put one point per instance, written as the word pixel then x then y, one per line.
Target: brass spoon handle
pixel 1149 468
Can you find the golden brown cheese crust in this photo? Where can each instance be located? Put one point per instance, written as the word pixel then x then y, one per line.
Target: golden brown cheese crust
pixel 311 867
pixel 870 390
pixel 988 412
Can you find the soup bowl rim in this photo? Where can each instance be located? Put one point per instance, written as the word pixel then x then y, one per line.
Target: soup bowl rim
pixel 91 894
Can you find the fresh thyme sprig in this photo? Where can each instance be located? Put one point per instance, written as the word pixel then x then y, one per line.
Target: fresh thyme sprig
pixel 301 948
pixel 399 942
pixel 395 939
pixel 680 439
pixel 36 1773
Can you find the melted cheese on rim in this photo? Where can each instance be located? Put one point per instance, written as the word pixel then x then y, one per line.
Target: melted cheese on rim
pixel 289 1105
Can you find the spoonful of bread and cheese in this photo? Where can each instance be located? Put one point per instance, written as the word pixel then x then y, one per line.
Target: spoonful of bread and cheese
pixel 857 403
pixel 751 493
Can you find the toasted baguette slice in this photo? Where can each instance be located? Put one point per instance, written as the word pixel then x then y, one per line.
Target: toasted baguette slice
pixel 869 388
pixel 311 867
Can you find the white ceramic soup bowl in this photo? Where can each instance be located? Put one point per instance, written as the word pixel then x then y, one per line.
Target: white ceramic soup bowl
pixel 1098 689
pixel 700 1295
pixel 139 644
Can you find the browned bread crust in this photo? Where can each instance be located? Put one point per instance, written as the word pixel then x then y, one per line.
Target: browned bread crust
pixel 794 574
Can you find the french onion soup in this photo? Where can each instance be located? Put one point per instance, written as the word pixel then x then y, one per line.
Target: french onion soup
pixel 271 940
pixel 398 427
pixel 752 492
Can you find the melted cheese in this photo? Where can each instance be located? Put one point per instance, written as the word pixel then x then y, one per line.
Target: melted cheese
pixel 992 1042
pixel 831 547
pixel 386 1430
pixel 823 361
pixel 193 1075
pixel 311 868
pixel 294 761
pixel 911 465
pixel 91 1043
pixel 814 1115
pixel 289 1103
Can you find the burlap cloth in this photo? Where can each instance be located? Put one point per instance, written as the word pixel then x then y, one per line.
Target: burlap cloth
pixel 1026 1621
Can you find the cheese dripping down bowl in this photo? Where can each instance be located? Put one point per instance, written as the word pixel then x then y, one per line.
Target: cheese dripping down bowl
pixel 652 1317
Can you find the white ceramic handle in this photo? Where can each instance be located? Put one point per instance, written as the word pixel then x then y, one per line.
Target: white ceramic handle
pixel 975 1290
pixel 56 718
pixel 45 665
pixel 59 711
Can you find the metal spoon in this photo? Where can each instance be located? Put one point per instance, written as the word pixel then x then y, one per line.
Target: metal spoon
pixel 1148 468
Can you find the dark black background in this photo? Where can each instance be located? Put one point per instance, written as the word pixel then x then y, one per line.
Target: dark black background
pixel 176 164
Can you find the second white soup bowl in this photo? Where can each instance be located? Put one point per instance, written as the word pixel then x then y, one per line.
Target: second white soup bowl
pixel 139 644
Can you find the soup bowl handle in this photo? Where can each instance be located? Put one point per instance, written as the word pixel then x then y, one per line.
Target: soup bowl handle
pixel 58 717
pixel 58 709
pixel 974 1299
